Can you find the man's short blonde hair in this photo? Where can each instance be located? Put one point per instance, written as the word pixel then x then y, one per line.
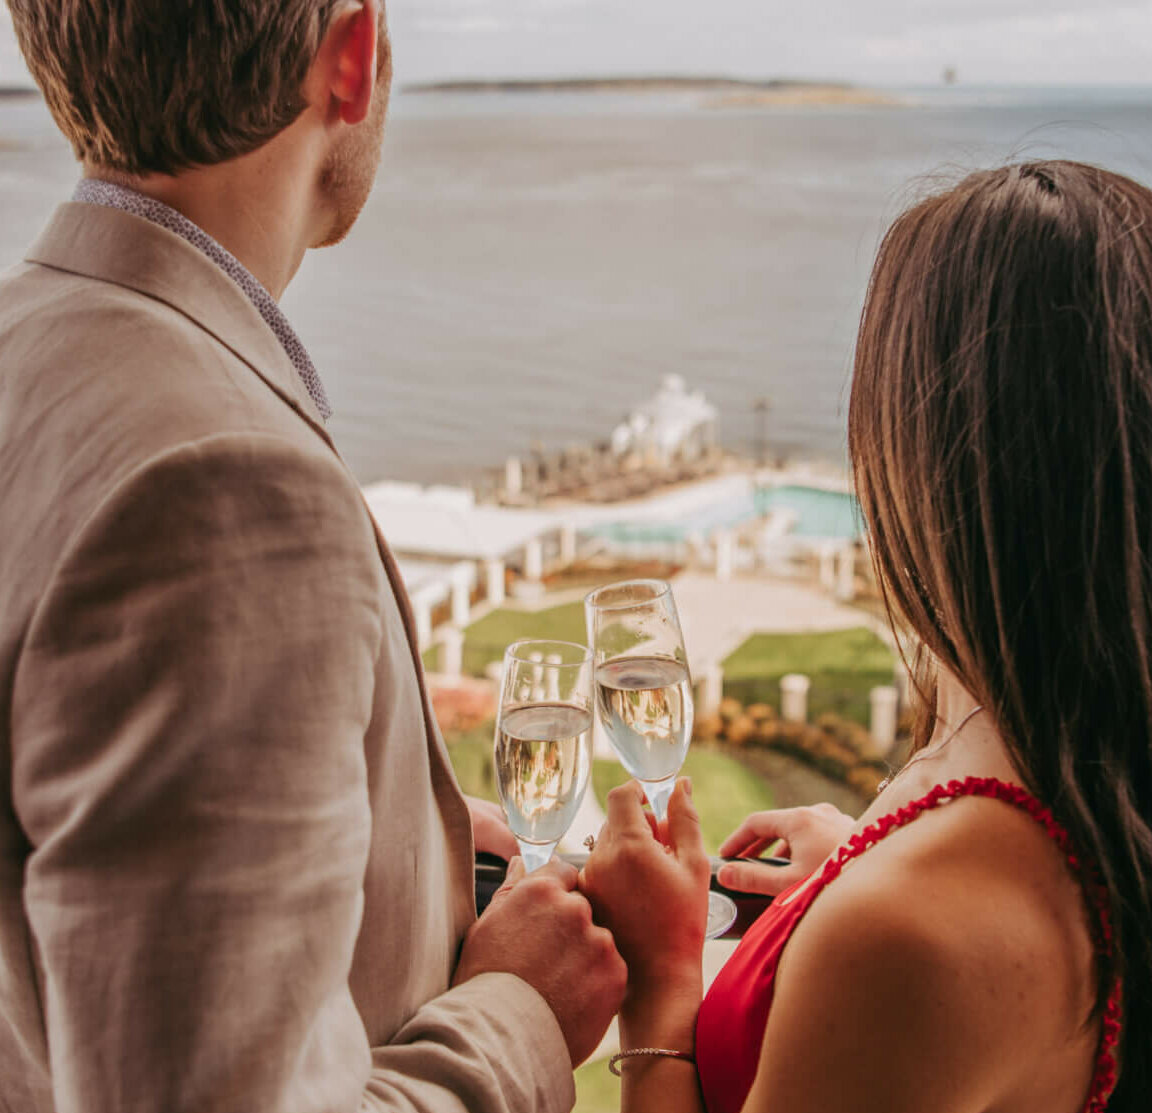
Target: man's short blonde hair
pixel 158 86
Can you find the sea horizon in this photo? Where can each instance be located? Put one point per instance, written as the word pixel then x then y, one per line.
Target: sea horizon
pixel 530 266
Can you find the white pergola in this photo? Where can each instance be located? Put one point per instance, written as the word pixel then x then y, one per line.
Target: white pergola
pixel 674 420
pixel 441 538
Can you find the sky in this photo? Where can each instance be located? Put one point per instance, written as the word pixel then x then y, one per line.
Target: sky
pixel 877 42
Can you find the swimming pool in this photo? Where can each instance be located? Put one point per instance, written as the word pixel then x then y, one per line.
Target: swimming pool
pixel 818 514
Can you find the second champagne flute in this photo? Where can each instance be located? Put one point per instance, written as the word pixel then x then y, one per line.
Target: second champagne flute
pixel 543 746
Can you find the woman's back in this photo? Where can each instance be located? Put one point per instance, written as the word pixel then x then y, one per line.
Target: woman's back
pixel 928 895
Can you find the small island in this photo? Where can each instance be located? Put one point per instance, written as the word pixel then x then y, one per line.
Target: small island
pixel 717 92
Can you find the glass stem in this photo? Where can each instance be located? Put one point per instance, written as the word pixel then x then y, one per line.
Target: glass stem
pixel 535 854
pixel 659 793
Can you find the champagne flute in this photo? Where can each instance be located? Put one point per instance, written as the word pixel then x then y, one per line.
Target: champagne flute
pixel 644 694
pixel 543 746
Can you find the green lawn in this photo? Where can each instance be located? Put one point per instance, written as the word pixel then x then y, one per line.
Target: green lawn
pixel 723 790
pixel 486 640
pixel 844 665
pixel 597 1089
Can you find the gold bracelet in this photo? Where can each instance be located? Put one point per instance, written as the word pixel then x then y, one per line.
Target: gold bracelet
pixel 664 1052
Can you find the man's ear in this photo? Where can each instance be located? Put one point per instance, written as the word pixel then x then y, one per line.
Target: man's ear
pixel 344 72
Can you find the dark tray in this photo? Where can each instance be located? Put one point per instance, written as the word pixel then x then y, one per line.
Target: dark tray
pixel 490 872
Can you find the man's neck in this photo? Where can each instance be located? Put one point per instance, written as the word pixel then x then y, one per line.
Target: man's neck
pixel 257 207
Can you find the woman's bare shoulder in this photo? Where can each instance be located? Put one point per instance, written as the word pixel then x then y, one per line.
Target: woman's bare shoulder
pixel 948 944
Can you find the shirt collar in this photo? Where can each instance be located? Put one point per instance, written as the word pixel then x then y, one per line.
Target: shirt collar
pixel 91 191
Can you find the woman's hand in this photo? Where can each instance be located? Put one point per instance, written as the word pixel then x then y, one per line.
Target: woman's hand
pixel 652 895
pixel 807 836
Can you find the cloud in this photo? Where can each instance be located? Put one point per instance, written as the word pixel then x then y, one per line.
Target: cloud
pixel 1100 45
pixel 483 17
pixel 871 41
pixel 464 25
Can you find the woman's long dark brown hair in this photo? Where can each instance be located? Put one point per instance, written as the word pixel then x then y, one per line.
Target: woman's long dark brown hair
pixel 1001 436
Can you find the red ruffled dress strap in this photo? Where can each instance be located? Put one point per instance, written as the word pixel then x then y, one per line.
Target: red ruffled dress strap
pixel 734 1015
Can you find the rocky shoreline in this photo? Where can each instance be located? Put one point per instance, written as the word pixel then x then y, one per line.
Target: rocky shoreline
pixel 721 92
pixel 808 96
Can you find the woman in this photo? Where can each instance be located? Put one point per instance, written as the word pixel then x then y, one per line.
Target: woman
pixel 982 939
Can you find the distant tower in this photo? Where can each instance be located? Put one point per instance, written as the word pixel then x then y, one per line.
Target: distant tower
pixel 950 75
pixel 760 407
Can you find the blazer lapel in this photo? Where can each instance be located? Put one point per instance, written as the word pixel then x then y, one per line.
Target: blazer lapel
pixel 114 246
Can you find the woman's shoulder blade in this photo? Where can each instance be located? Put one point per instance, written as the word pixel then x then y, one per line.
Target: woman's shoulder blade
pixel 961 935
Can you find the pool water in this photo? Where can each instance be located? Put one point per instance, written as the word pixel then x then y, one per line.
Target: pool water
pixel 818 513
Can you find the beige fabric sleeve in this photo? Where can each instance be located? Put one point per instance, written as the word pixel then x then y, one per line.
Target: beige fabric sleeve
pixel 189 715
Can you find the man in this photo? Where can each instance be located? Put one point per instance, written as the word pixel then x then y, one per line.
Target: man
pixel 235 869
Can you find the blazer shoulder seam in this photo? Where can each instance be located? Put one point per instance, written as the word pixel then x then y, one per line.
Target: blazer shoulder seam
pixel 123 484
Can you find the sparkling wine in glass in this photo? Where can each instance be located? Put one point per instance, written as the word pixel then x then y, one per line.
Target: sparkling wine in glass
pixel 543 747
pixel 644 694
pixel 645 705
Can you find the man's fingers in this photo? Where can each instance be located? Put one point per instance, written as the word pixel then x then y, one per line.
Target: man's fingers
pixel 513 874
pixel 751 877
pixel 563 872
pixel 683 822
pixel 626 809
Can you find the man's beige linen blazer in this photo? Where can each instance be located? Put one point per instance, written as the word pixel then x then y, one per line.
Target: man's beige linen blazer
pixel 235 868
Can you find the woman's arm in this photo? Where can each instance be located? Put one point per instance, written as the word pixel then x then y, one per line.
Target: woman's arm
pixel 653 896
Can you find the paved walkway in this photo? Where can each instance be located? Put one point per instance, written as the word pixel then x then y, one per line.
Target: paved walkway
pixel 719 616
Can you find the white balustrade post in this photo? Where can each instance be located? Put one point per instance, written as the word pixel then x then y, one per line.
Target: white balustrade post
pixel 794 697
pixel 494 570
pixel 452 651
pixel 567 544
pixel 461 597
pixel 885 701
pixel 534 560
pixel 846 575
pixel 711 690
pixel 513 477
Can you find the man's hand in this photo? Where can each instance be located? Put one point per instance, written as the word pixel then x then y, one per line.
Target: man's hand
pixel 540 928
pixel 489 830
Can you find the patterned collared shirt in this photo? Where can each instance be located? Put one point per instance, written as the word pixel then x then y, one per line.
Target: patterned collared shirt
pixel 93 192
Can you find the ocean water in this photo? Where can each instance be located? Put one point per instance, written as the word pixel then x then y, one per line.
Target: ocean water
pixel 529 267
